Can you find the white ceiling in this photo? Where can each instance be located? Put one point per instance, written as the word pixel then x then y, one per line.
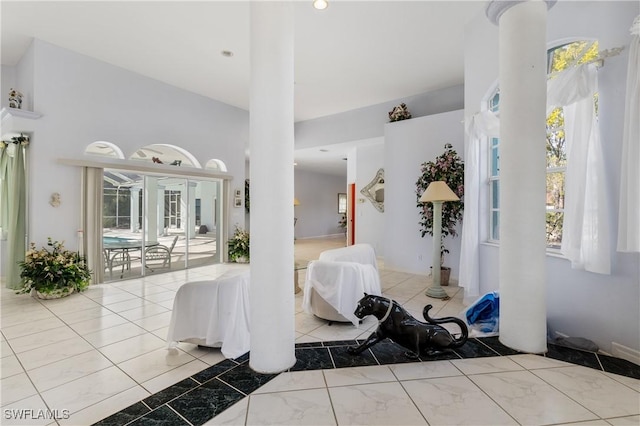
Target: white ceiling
pixel 351 55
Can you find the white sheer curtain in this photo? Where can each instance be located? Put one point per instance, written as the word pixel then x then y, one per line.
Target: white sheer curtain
pixel 483 124
pixel 585 238
pixel 629 211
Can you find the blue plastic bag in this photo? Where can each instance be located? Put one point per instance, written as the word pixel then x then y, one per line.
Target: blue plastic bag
pixel 483 315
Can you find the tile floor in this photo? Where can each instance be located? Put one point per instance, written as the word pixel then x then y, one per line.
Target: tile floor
pixel 100 356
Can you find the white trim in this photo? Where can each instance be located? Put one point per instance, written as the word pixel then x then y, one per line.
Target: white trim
pixel 624 352
pixel 144 167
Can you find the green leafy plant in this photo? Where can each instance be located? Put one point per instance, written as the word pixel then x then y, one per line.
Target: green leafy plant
pixel 52 269
pixel 239 245
pixel 447 167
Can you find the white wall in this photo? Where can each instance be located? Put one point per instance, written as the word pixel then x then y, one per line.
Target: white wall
pixel 83 100
pixel 603 308
pixel 408 144
pixel 318 210
pixel 368 122
pixel 7 82
pixel 369 221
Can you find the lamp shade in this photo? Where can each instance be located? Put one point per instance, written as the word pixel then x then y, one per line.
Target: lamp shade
pixel 296 202
pixel 438 191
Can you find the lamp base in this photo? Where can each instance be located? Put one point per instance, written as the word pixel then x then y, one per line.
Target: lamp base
pixel 437 292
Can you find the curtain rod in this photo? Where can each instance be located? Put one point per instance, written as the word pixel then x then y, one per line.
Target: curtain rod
pixel 598 60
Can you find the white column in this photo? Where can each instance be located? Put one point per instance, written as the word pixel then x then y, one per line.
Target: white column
pixel 272 192
pixel 188 211
pixel 523 89
pixel 151 209
pixel 134 210
pixel 159 215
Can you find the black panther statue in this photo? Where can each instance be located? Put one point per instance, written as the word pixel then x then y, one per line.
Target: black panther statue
pixel 398 325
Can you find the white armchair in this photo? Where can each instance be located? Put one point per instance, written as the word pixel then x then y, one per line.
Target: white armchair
pixel 338 280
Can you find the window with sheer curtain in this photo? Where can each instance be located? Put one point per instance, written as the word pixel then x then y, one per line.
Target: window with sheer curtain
pixel 560 58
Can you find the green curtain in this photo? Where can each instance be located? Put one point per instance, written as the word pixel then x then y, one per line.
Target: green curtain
pixel 14 205
pixel 5 171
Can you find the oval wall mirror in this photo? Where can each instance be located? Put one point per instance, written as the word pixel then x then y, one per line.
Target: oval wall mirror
pixel 374 191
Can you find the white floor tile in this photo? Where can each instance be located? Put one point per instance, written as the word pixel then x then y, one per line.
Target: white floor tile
pixel 358 375
pixel 174 376
pixel 143 312
pixel 114 334
pixel 85 391
pixel 529 400
pixel 30 411
pixel 594 390
pixel 132 347
pixel 455 400
pixel 42 338
pixel 374 404
pixel 298 380
pixel 96 324
pixel 305 407
pixel 15 388
pixel 532 362
pixel 31 327
pixel 485 365
pixel 73 303
pixel 625 421
pixel 154 322
pixel 10 367
pixel 21 318
pixel 85 314
pixel 55 352
pixel 5 349
pixel 234 415
pixel 106 407
pixel 67 370
pixel 152 364
pixel 424 370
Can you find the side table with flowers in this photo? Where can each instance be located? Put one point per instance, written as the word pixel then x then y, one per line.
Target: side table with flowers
pixel 53 271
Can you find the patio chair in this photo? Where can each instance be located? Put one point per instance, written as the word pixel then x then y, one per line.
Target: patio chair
pixel 159 256
pixel 115 258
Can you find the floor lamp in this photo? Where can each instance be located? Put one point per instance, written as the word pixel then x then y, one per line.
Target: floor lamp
pixel 437 193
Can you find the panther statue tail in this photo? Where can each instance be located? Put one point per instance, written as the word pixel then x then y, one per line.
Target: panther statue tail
pixel 463 327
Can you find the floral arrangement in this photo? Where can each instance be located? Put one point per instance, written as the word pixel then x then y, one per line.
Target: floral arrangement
pixel 447 167
pixel 53 270
pixel 400 112
pixel 239 246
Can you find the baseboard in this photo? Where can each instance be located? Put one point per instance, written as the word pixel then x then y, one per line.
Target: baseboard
pixel 620 351
pixel 323 236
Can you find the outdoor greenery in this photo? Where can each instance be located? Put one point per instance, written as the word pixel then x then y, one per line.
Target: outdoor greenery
pixel 447 167
pixel 239 245
pixel 53 268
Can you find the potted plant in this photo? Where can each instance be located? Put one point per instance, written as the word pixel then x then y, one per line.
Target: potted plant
pixel 239 246
pixel 53 272
pixel 447 167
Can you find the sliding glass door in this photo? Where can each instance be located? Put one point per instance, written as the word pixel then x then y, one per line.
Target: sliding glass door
pixel 155 224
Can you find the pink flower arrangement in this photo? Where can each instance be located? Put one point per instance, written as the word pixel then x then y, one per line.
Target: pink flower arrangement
pixel 448 167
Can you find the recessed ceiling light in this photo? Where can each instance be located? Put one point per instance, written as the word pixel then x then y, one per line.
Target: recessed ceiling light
pixel 320 4
pixel 227 53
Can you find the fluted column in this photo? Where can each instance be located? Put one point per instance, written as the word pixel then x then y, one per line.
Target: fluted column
pixel 271 148
pixel 523 88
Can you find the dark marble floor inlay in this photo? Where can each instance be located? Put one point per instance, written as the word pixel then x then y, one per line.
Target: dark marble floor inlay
pixel 312 359
pixel 206 401
pixel 172 392
pixel 574 356
pixel 164 416
pixel 214 389
pixel 125 416
pixel 342 359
